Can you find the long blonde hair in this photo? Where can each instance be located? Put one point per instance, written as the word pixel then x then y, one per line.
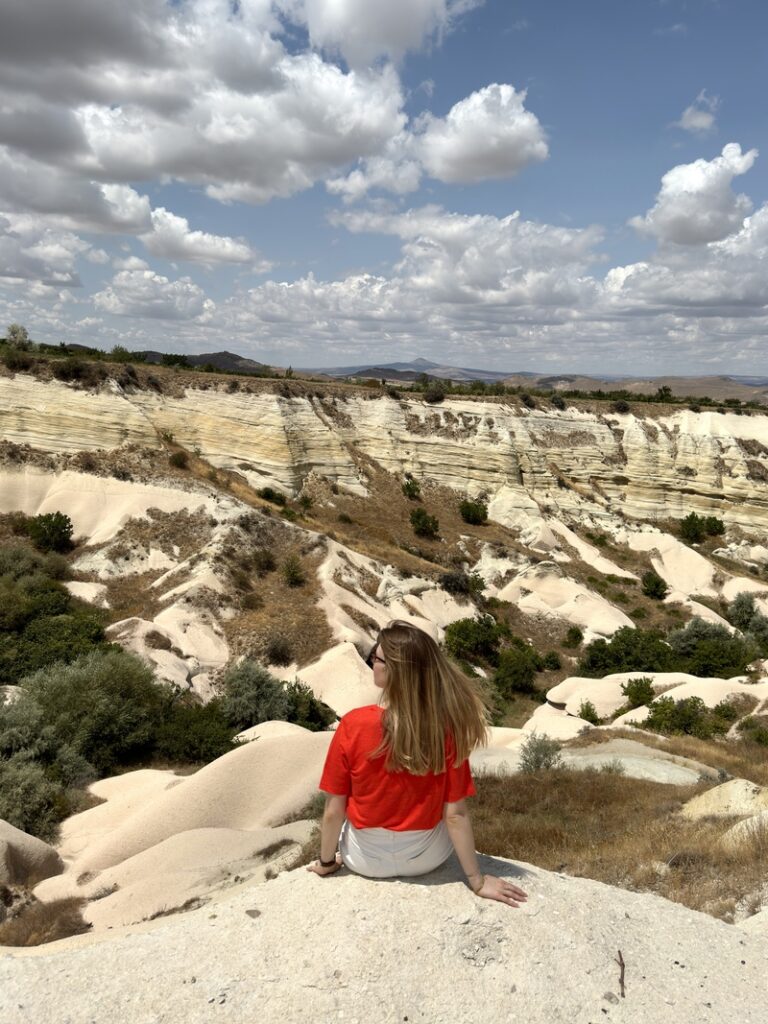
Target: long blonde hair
pixel 426 698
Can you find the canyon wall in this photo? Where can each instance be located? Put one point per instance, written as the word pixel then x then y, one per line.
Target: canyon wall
pixel 571 463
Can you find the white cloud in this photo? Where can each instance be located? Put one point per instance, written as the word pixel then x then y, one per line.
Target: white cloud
pixel 30 251
pixel 696 204
pixel 172 239
pixel 699 117
pixel 362 31
pixel 489 134
pixel 144 293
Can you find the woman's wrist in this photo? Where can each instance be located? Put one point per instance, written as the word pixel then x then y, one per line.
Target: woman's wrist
pixel 474 886
pixel 327 863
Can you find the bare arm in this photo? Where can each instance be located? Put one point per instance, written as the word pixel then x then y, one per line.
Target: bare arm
pixel 459 827
pixel 333 818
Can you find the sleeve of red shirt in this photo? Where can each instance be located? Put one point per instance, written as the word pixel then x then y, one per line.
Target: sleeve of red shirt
pixel 458 782
pixel 336 777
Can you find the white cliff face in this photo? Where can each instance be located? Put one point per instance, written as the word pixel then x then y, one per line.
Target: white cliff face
pixel 571 464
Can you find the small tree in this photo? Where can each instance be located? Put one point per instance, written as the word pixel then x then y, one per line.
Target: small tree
pixel 434 392
pixel 638 692
pixel 17 336
pixel 654 586
pixel 252 696
pixel 474 512
pixel 539 753
pixel 411 489
pixel 573 637
pixel 692 529
pixel 588 712
pixel 517 670
pixel 51 531
pixel 424 525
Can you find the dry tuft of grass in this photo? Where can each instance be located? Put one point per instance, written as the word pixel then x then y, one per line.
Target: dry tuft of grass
pixel 621 831
pixel 39 923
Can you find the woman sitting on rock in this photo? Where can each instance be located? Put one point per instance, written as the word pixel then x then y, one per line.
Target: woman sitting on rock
pixel 397 773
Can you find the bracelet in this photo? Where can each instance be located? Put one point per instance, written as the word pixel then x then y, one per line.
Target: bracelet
pixel 327 863
pixel 476 874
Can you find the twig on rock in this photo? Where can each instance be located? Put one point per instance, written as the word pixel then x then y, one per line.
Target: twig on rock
pixel 620 961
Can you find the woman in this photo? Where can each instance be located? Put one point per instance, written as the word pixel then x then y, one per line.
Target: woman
pixel 397 773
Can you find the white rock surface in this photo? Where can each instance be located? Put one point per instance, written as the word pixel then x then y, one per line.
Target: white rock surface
pixel 737 796
pixel 303 948
pixel 752 830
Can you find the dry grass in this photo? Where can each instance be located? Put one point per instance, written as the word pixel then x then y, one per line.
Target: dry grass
pixel 39 923
pixel 621 831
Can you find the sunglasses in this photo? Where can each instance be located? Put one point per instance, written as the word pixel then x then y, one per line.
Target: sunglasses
pixel 373 657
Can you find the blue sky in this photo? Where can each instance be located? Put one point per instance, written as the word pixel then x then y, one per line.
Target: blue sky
pixel 516 185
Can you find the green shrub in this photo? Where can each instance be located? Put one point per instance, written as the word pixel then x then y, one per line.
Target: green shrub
pixel 270 494
pixel 474 512
pixel 424 525
pixel 473 639
pixel 29 800
pixel 306 710
pixel 411 489
pixel 629 650
pixel 539 753
pixel 620 406
pixel 638 692
pixel 263 561
pixel 694 528
pixel 252 696
pixel 193 733
pixel 558 401
pixel 293 573
pixel 434 392
pixel 654 586
pixel 516 671
pixel 551 661
pixel 573 637
pixel 588 712
pixel 51 531
pixel 469 584
pixel 278 650
pixel 16 360
pixel 344 518
pixel 708 649
pixel 689 716
pixel 179 460
pixel 105 707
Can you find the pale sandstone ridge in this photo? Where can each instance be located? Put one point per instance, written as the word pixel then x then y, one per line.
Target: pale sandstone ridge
pixel 571 462
pixel 302 948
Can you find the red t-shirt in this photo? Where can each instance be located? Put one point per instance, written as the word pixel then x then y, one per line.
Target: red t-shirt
pixel 377 798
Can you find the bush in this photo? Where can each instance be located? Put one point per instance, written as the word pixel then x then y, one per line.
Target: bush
pixel 29 800
pixel 621 406
pixel 474 512
pixel 252 696
pixel 411 489
pixel 654 586
pixel 573 637
pixel 741 610
pixel 17 336
pixel 516 671
pixel 588 712
pixel 51 531
pixel 551 661
pixel 539 753
pixel 17 361
pixel 434 392
pixel 629 650
pixel 179 460
pixel 689 717
pixel 105 707
pixel 344 518
pixel 306 710
pixel 638 692
pixel 424 525
pixel 693 529
pixel 293 573
pixel 558 402
pixel 708 649
pixel 263 561
pixel 527 400
pixel 471 585
pixel 270 494
pixel 278 650
pixel 193 733
pixel 468 639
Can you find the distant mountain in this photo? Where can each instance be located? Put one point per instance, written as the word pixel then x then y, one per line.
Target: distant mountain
pixel 413 369
pixel 221 360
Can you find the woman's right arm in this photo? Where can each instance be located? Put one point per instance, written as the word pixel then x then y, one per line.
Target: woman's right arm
pixel 459 825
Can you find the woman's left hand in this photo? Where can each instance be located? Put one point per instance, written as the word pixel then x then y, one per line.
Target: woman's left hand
pixel 318 869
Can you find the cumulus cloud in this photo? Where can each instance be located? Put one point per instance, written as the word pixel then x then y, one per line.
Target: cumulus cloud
pixel 489 134
pixel 144 293
pixel 696 203
pixel 699 117
pixel 362 31
pixel 172 238
pixel 30 251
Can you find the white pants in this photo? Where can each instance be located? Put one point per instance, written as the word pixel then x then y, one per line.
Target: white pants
pixel 382 853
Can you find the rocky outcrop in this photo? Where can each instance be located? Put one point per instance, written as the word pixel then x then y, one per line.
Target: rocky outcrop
pixel 571 463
